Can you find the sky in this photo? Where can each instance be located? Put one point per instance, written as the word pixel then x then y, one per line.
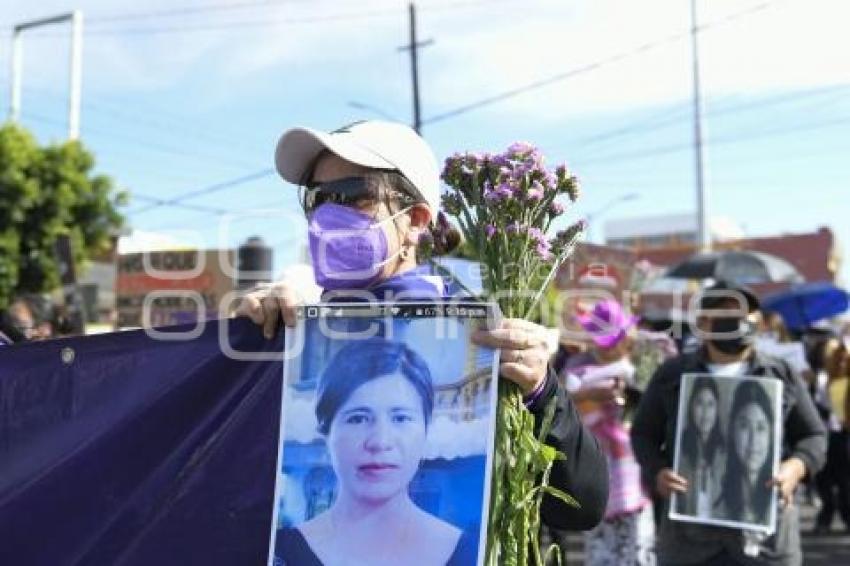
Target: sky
pixel 182 95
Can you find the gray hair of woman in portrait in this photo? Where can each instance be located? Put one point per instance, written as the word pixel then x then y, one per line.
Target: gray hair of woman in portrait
pixel 362 361
pixel 733 496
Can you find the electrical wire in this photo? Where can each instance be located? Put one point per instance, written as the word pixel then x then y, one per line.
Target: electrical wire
pixel 95 25
pixel 670 117
pixel 229 184
pixel 640 49
pixel 663 150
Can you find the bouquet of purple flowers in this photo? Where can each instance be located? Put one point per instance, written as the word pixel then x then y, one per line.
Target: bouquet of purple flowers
pixel 505 205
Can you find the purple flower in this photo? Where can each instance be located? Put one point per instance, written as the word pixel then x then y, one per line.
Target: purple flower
pixel 498 160
pixel 520 148
pixel 512 228
pixel 543 250
pixel 535 191
pixel 556 209
pixel 503 192
pixel 489 231
pixel 537 234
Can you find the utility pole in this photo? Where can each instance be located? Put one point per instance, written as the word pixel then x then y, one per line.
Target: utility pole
pixel 703 230
pixel 413 47
pixel 75 86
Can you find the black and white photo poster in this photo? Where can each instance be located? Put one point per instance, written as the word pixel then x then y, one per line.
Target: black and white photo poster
pixel 387 426
pixel 728 437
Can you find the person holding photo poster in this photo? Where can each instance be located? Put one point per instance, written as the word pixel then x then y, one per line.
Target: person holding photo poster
pixel 727 321
pixel 371 194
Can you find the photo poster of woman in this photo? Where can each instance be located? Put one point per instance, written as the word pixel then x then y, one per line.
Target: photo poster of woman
pixel 728 444
pixel 386 436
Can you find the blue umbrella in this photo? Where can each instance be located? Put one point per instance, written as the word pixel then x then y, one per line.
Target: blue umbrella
pixel 804 304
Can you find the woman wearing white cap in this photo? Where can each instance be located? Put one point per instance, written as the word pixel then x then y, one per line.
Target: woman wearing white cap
pixel 371 194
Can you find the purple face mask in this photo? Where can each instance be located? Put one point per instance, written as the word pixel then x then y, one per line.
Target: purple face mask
pixel 348 248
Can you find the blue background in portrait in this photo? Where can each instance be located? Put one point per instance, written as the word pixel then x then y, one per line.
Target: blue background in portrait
pixel 451 489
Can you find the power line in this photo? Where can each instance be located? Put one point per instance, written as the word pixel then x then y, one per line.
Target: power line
pixel 168 123
pixel 626 156
pixel 186 10
pixel 640 49
pixel 207 190
pixel 165 125
pixel 251 4
pixel 95 27
pixel 169 150
pixel 671 117
pixel 164 202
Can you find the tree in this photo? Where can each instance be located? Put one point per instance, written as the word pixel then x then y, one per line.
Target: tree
pixel 46 192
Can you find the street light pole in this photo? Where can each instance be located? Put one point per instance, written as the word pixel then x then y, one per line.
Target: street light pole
pixel 76 80
pixel 703 234
pixel 75 86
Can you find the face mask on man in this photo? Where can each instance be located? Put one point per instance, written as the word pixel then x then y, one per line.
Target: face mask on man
pixel 349 249
pixel 736 334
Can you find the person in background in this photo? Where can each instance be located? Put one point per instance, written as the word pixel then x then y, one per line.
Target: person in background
pixel 833 481
pixel 597 381
pixel 773 327
pixel 17 323
pixel 371 193
pixel 727 323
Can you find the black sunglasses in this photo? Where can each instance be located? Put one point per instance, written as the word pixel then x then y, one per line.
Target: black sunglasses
pixel 350 191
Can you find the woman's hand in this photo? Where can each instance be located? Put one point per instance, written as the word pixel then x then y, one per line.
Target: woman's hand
pixel 524 356
pixel 667 481
pixel 791 472
pixel 265 307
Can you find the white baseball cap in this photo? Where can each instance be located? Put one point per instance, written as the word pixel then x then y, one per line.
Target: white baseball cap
pixel 373 143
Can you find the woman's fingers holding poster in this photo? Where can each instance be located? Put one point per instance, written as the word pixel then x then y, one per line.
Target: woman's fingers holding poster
pixel 523 353
pixel 266 306
pixel 667 481
pixel 791 471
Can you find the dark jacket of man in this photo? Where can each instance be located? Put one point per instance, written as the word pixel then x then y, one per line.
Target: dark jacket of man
pixel 653 437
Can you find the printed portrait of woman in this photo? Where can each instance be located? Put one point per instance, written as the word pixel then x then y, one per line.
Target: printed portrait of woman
pixel 702 456
pixel 745 496
pixel 374 403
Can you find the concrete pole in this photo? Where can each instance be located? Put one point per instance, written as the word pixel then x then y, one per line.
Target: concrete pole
pixel 703 229
pixel 75 92
pixel 17 60
pixel 74 96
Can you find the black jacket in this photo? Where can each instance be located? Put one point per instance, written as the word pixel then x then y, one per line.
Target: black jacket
pixel 584 473
pixel 653 436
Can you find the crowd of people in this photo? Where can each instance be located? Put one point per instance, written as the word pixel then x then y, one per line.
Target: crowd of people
pixel 616 394
pixel 32 317
pixel 725 471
